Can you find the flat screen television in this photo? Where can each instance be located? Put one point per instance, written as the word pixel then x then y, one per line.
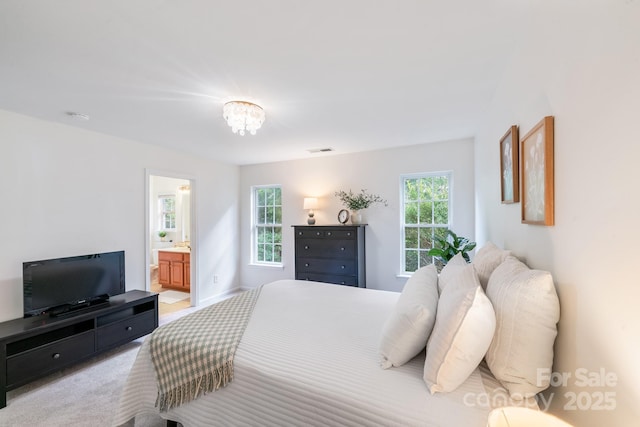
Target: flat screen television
pixel 63 285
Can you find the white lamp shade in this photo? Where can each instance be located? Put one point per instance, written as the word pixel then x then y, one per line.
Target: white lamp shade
pixel 523 417
pixel 310 203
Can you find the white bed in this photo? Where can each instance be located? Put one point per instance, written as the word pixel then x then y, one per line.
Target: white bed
pixel 310 356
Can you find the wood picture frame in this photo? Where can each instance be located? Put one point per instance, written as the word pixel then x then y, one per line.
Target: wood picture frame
pixel 536 166
pixel 509 172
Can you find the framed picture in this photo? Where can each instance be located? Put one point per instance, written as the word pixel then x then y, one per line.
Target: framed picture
pixel 509 182
pixel 536 162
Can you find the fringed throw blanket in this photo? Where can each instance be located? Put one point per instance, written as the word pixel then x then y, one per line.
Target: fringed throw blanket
pixel 194 354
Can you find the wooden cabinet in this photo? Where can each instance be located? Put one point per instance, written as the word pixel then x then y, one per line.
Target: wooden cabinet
pixel 36 346
pixel 331 254
pixel 174 270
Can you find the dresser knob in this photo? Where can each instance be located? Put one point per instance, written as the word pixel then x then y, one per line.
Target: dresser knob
pixel 317 233
pixel 342 267
pixel 300 233
pixel 128 328
pixel 306 247
pixel 329 233
pixel 342 283
pixel 348 233
pixel 56 355
pixel 306 264
pixel 342 249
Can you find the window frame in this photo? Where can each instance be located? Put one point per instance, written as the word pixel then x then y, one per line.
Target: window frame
pixel 162 212
pixel 256 226
pixel 403 205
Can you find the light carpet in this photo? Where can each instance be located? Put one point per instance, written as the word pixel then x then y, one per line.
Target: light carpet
pixel 171 297
pixel 83 395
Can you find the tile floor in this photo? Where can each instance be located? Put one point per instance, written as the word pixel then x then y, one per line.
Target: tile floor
pixel 166 308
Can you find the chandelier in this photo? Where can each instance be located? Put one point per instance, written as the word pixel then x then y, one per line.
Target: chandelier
pixel 243 116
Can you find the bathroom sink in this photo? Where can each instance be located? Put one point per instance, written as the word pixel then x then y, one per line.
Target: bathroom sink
pixel 181 249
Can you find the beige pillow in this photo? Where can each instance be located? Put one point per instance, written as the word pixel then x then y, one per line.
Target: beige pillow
pixel 465 323
pixel 451 270
pixel 486 260
pixel 406 331
pixel 527 312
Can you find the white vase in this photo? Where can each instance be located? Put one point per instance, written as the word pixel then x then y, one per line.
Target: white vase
pixel 356 217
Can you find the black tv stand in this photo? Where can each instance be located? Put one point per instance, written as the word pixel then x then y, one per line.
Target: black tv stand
pixel 33 347
pixel 75 309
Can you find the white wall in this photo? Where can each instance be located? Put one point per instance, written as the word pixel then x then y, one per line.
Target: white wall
pixel 66 191
pixel 376 171
pixel 584 69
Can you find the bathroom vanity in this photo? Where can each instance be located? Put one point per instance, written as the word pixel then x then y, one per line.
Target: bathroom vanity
pixel 174 268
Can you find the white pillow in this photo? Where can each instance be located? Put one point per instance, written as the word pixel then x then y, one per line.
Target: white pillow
pixel 486 260
pixel 527 312
pixel 451 270
pixel 406 331
pixel 465 323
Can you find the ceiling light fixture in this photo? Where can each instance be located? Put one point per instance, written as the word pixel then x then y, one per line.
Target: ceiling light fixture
pixel 243 116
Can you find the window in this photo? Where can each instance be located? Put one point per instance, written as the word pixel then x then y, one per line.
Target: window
pixel 425 214
pixel 267 221
pixel 167 211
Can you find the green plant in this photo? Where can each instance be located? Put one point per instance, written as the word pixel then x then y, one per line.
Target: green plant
pixel 358 201
pixel 448 246
pixel 162 233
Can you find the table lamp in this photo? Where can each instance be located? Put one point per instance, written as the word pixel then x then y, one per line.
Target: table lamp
pixel 310 203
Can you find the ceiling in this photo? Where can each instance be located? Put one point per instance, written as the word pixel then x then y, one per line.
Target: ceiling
pixel 351 75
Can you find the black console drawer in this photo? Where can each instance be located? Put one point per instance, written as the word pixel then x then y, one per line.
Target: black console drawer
pixel 31 364
pixel 126 330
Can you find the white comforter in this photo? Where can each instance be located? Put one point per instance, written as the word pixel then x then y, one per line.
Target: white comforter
pixel 309 356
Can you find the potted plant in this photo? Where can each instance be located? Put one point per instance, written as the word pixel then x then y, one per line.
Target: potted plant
pixel 162 235
pixel 356 202
pixel 448 246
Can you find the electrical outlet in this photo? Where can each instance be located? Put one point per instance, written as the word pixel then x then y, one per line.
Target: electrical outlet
pixel 215 278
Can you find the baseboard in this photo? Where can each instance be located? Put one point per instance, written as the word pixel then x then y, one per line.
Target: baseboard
pixel 221 296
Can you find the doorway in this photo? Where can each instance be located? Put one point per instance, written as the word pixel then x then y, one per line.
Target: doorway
pixel 170 247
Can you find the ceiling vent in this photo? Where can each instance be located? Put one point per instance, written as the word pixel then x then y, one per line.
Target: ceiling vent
pixel 320 150
pixel 77 116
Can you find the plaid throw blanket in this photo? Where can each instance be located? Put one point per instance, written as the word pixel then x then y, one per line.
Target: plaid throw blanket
pixel 194 354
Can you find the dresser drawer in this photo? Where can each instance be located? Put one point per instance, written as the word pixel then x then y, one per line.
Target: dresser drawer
pixel 31 364
pixel 318 233
pixel 326 266
pixel 325 248
pixel 340 234
pixel 328 278
pixel 126 330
